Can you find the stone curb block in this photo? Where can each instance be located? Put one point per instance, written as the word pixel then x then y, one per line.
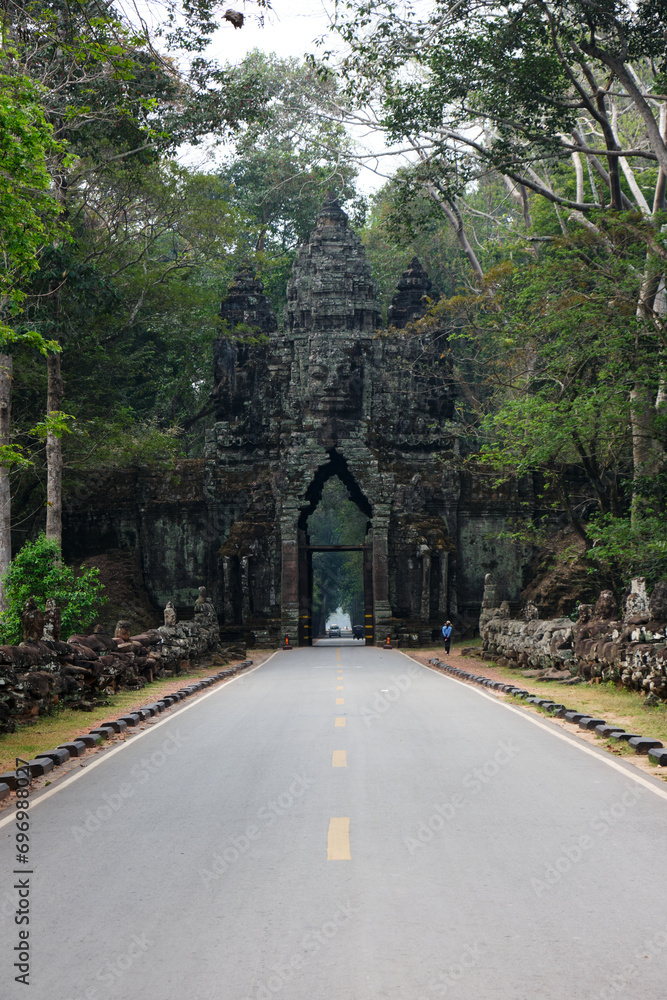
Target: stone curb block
pixel 607 730
pixel 642 744
pixel 59 756
pixel 9 778
pixel 589 723
pixel 105 732
pixel 40 767
pixel 90 740
pixel 76 747
pixel 658 757
pixel 4 790
pixel 130 720
pixel 621 737
pixel 116 725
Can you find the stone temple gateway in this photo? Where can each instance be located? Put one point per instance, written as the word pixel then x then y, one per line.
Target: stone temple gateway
pixel 330 395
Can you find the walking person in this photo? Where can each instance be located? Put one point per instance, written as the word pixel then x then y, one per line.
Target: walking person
pixel 447 635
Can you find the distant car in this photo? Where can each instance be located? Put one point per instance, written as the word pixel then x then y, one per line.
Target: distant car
pixel 358 631
pixel 334 631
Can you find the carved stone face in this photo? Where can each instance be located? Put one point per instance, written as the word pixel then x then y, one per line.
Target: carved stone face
pixel 606 606
pixel 122 631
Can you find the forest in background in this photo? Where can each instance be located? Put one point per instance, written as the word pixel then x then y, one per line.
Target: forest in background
pixel 337 576
pixel 532 187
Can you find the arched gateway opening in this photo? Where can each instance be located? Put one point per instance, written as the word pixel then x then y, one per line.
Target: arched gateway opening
pixel 335 551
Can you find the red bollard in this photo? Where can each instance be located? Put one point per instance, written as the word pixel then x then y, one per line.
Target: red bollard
pixel 287 644
pixel 388 644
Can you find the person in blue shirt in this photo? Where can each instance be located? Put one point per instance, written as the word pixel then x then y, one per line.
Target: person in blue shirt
pixel 447 634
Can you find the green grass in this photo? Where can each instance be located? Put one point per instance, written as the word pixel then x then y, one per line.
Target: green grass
pixel 63 726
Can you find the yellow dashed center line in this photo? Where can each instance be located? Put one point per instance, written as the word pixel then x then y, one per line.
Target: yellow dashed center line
pixel 339 688
pixel 340 721
pixel 339 758
pixel 338 839
pixel 340 701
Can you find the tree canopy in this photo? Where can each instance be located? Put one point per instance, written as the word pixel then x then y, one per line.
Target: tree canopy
pixel 532 185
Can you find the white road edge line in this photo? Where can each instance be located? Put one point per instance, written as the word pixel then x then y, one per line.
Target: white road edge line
pixel 528 716
pixel 132 742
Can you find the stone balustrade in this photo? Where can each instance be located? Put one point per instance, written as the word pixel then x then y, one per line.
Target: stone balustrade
pixel 41 674
pixel 631 648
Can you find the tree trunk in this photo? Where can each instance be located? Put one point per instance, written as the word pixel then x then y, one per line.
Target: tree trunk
pixel 454 216
pixel 54 452
pixel 5 496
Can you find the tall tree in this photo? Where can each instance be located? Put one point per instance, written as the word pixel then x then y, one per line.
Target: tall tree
pixel 28 219
pixel 285 161
pixel 111 99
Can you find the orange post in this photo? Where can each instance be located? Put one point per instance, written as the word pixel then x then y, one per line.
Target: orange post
pixel 287 645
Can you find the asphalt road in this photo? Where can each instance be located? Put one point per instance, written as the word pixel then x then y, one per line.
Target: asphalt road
pixel 344 824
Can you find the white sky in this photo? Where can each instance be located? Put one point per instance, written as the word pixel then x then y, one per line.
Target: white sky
pixel 291 29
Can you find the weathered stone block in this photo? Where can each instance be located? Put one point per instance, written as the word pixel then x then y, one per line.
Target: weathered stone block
pixel 91 740
pixel 130 720
pixel 642 744
pixel 76 748
pixel 588 722
pixel 118 725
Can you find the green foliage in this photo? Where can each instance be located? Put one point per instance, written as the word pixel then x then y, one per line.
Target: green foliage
pixel 12 456
pixel 38 571
pixel 625 548
pixel 555 345
pixel 56 422
pixel 28 211
pixel 139 289
pixel 123 443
